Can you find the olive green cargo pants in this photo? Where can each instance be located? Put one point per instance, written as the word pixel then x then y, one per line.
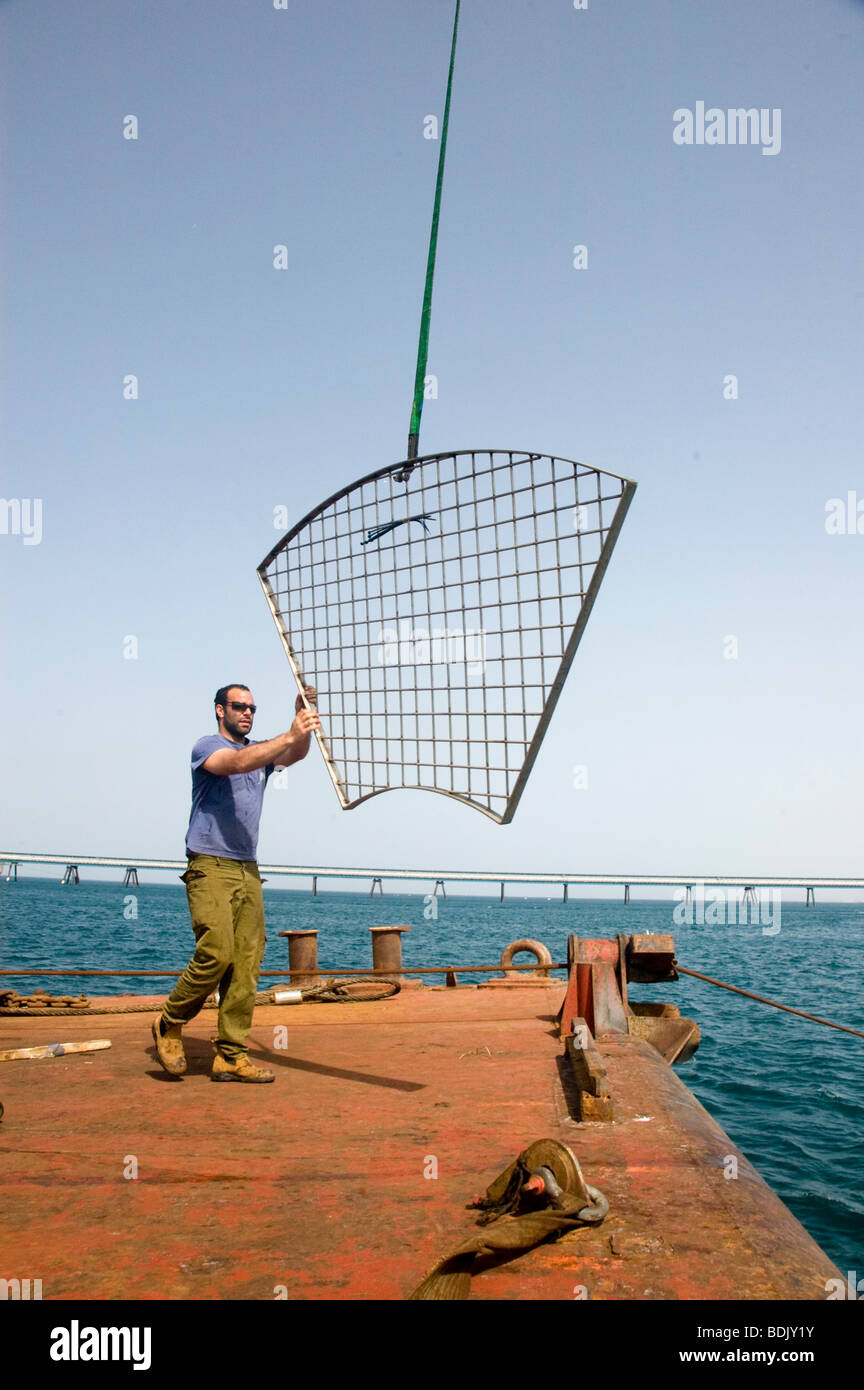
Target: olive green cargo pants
pixel 227 910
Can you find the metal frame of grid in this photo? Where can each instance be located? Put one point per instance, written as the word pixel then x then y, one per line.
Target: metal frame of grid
pixel 438 616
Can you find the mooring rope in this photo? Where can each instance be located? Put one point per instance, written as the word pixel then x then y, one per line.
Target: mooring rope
pixel 302 970
pixel 365 990
pixel 773 1002
pixel 338 991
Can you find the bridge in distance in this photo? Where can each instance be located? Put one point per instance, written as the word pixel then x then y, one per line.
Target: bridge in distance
pixel 376 877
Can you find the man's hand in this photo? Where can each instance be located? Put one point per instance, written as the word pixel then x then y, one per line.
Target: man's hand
pixel 306 722
pixel 311 696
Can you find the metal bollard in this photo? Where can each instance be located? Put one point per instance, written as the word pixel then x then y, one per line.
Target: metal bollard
pixel 302 957
pixel 387 954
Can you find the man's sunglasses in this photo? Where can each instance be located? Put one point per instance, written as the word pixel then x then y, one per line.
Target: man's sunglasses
pixel 235 704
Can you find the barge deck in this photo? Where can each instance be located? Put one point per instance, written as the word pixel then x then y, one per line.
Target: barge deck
pixel 349 1176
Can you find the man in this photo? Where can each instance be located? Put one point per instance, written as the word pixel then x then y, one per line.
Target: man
pixel 229 774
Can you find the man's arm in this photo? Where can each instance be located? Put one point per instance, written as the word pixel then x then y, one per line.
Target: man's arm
pixel 283 750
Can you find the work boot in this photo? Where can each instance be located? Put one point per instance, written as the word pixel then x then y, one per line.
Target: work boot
pixel 169 1046
pixel 238 1069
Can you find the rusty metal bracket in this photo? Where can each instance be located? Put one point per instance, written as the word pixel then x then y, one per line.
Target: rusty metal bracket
pixel 597 1005
pixel 650 959
pixel 589 1074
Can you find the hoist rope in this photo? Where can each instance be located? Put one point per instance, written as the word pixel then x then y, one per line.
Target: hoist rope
pixel 423 345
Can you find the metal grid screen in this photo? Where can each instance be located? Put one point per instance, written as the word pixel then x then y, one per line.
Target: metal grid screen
pixel 438 617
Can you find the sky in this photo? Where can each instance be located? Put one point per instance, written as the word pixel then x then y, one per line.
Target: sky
pixel 710 349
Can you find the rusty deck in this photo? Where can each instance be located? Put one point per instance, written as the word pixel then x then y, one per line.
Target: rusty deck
pixel 348 1177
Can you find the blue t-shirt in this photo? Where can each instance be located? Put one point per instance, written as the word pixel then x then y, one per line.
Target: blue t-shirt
pixel 225 809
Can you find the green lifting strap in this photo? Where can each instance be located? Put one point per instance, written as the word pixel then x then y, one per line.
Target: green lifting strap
pixel 423 345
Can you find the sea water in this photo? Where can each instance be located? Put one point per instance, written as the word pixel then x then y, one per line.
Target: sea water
pixel 789 1092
